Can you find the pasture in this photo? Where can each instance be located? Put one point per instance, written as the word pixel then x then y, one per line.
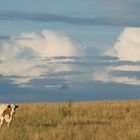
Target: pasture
pixel 100 120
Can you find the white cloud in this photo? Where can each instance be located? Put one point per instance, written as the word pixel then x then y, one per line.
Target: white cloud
pixel 125 68
pixel 101 76
pixel 128 46
pixel 126 49
pixel 120 70
pixel 106 77
pixel 22 56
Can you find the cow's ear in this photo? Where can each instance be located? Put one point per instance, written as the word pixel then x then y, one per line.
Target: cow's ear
pixel 17 106
pixel 9 106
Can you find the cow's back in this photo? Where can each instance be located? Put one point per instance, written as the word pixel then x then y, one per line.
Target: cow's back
pixel 2 108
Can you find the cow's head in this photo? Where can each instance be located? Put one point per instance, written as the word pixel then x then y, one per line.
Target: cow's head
pixel 12 108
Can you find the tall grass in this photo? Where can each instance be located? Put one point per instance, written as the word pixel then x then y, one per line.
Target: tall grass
pixel 105 120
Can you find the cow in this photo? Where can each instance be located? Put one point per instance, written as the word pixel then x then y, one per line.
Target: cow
pixel 7 112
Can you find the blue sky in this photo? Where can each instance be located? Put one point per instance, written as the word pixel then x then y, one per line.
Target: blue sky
pixel 69 50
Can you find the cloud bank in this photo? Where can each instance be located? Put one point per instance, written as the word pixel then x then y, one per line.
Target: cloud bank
pixel 107 77
pixel 22 58
pixel 47 58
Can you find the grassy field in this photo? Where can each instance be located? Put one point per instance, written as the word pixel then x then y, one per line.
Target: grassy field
pixel 102 120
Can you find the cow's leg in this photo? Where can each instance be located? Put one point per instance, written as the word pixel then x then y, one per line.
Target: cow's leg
pixel 8 121
pixel 8 124
pixel 1 121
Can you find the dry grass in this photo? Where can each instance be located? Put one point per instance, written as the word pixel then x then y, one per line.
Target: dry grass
pixel 105 120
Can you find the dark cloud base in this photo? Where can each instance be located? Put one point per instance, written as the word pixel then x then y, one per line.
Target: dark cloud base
pixel 2 37
pixel 45 17
pixel 91 91
pixel 69 89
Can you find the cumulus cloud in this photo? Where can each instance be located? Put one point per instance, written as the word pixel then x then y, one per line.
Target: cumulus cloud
pixel 22 57
pixel 126 68
pixel 128 45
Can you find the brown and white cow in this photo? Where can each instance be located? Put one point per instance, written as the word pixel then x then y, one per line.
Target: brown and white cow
pixel 7 112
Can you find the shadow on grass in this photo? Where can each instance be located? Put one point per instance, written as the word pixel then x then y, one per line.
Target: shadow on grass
pixel 54 123
pixel 77 122
pixel 49 125
pixel 89 122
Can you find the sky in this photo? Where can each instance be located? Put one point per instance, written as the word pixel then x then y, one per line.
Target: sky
pixel 78 50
